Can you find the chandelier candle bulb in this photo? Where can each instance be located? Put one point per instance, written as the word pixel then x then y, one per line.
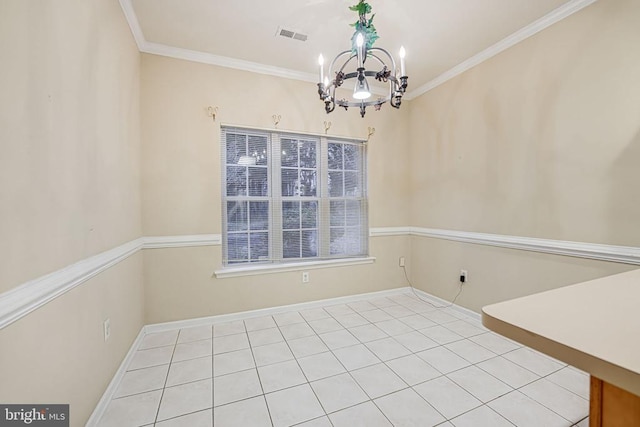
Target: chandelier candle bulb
pixel 321 63
pixel 359 43
pixel 402 55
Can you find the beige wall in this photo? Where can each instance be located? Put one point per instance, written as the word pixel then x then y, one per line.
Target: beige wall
pixel 496 274
pixel 542 140
pixel 69 188
pixel 57 354
pixel 178 283
pixel 69 168
pixel 181 147
pixel 181 185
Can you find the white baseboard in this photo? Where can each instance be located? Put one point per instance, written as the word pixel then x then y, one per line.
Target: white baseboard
pixel 203 321
pixel 442 302
pixel 101 407
pixel 209 320
pixel 242 315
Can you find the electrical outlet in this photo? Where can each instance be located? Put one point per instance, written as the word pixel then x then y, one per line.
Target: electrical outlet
pixel 106 327
pixel 305 277
pixel 401 261
pixel 464 277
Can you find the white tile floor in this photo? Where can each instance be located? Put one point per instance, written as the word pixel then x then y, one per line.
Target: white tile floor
pixel 395 361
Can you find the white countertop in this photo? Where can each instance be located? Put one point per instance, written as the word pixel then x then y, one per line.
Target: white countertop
pixel 594 326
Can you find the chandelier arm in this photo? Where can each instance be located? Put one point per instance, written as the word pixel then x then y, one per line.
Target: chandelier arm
pixel 373 73
pixel 399 84
pixel 381 61
pixel 394 84
pixel 338 57
pixel 378 58
pixel 386 52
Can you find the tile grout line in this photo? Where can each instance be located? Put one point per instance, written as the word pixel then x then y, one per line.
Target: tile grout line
pixel 382 362
pixel 213 377
pixel 468 338
pixel 482 403
pixel 329 350
pixel 347 370
pixel 300 367
pixel 359 312
pixel 446 419
pixel 155 420
pixel 542 404
pixel 412 388
pixel 561 386
pixel 356 381
pixel 255 363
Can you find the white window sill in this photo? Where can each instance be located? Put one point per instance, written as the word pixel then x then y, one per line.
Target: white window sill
pixel 254 270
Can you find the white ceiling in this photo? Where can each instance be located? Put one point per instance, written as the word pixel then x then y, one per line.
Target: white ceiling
pixel 441 37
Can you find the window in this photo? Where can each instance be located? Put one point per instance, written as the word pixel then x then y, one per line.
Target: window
pixel 292 197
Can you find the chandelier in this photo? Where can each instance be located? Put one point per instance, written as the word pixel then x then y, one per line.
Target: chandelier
pixel 362 50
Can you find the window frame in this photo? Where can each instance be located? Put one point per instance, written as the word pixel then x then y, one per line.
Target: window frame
pixel 275 259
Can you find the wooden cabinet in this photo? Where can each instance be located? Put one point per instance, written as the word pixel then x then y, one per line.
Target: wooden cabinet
pixel 610 406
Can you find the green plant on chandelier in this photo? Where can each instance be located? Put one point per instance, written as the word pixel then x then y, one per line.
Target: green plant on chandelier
pixel 363 25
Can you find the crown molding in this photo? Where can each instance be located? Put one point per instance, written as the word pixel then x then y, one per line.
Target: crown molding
pixel 209 58
pixel 224 61
pixel 132 20
pixel 145 46
pixel 233 63
pixel 535 27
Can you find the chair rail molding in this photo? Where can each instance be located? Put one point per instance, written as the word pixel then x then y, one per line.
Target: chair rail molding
pixel 159 242
pixel 23 299
pixel 27 297
pixel 595 251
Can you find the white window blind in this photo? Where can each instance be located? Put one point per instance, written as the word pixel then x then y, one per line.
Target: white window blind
pixel 292 197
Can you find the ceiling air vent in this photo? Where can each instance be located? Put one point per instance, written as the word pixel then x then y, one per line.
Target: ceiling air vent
pixel 301 37
pixel 291 34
